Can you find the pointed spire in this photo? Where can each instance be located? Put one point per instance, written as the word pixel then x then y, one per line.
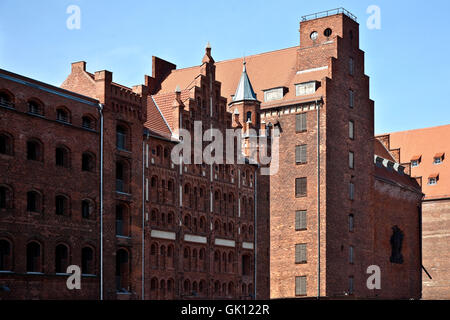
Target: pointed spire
pixel 244 90
pixel 207 57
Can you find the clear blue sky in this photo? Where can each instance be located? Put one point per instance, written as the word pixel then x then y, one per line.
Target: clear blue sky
pixel 407 59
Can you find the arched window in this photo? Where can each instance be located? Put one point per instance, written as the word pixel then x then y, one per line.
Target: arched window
pixel 33 257
pixel 187 287
pixel 170 217
pixel 6 99
pixel 154 284
pixel 63 115
pixel 231 262
pixel 231 289
pixel 88 123
pixel 122 136
pixel 122 270
pixel 158 151
pixel 88 162
pixel 246 265
pixel 244 289
pixel 34 150
pixel 61 205
pixel 249 116
pixel 62 158
pixel 87 260
pixel 35 107
pixel 34 202
pixel 230 228
pixel 61 258
pixel 250 231
pixel 87 209
pixel 154 217
pixel 194 288
pixel 6 144
pixel 122 220
pixel 6 197
pixel 122 176
pixel 5 255
pixel 202 224
pixel 187 221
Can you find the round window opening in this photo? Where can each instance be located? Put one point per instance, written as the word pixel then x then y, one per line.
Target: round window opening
pixel 327 32
pixel 314 35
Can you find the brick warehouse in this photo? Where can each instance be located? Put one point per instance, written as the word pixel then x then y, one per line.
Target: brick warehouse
pixel 196 231
pixel 424 152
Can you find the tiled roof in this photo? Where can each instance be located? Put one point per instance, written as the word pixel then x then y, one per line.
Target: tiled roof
pixel 387 170
pixel 160 109
pixel 426 142
pixel 266 71
pixel 380 150
pixel 155 121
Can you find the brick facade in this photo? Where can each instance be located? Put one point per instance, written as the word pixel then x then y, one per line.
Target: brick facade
pixel 207 231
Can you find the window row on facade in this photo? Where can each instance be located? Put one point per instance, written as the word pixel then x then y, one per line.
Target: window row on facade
pixel 35 152
pixel 37 107
pixel 35 203
pixel 35 260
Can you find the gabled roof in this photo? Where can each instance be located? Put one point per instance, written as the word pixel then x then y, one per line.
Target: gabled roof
pixel 244 90
pixel 161 107
pixel 267 70
pixel 156 122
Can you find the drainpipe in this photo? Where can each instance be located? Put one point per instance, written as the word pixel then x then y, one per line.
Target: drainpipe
pixel 143 215
pixel 255 233
pixel 318 199
pixel 100 111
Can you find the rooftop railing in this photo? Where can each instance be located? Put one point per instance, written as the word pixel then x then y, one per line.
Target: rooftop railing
pixel 329 13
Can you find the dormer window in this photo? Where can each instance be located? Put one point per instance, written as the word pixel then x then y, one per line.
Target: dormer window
pixel 273 94
pixel 433 179
pixel 305 88
pixel 415 161
pixel 438 158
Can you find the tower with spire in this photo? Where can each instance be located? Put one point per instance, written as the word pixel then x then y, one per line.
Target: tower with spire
pixel 245 108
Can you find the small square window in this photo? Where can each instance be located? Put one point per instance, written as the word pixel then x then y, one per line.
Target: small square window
pixel 437 160
pixel 432 181
pixel 415 163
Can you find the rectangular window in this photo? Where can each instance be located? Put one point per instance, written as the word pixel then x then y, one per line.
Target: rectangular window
pixel 351 66
pixel 351 129
pixel 350 254
pixel 350 285
pixel 300 122
pixel 300 154
pixel 303 89
pixel 300 187
pixel 300 286
pixel 351 160
pixel 351 98
pixel 300 253
pixel 352 191
pixel 415 163
pixel 300 220
pixel 273 94
pixel 437 160
pixel 432 181
pixel 351 223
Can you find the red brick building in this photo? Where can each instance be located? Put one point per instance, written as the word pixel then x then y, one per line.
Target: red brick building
pixel 425 151
pixel 163 230
pixel 318 95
